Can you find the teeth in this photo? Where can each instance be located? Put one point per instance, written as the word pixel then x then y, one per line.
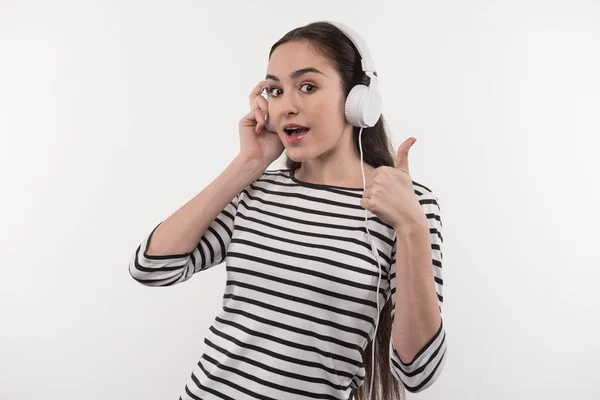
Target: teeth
pixel 294 130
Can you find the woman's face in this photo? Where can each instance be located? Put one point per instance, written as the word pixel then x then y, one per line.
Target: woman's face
pixel 304 89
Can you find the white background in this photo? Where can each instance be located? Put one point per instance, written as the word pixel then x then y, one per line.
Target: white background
pixel 113 114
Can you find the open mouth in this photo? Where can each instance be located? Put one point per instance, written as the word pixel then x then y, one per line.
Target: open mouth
pixel 295 131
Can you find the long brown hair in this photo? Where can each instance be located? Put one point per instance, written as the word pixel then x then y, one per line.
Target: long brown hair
pixel 333 44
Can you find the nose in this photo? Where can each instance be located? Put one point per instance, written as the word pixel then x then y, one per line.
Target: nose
pixel 288 104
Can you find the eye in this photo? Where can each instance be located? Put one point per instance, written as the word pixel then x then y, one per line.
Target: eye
pixel 311 85
pixel 270 91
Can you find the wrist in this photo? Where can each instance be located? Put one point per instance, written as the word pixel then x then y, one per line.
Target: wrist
pixel 416 227
pixel 250 165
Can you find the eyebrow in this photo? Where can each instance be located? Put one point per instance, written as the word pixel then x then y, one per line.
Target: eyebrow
pixel 296 74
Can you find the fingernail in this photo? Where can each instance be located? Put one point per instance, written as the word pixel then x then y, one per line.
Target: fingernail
pixel 266 116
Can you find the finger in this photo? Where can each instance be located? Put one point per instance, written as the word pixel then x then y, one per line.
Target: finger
pixel 264 111
pixel 366 193
pixel 365 202
pixel 256 91
pixel 371 179
pixel 260 120
pixel 262 104
pixel 402 159
pixel 248 119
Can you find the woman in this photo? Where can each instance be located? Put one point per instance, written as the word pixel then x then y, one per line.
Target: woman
pixel 305 296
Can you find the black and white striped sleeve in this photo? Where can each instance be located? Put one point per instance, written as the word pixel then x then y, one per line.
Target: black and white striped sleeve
pixel 420 373
pixel 166 270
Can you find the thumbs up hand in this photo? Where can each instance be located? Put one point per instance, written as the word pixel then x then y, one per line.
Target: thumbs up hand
pixel 389 194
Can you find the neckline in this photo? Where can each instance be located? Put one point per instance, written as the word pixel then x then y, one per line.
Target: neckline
pixel 318 185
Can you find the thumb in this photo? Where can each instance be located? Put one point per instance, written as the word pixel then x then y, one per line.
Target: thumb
pixel 402 159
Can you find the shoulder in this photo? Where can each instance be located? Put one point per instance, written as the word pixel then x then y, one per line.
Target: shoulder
pixel 271 179
pixel 425 194
pixel 274 176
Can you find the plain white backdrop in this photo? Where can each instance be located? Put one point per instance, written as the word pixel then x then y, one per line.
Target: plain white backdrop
pixel 113 114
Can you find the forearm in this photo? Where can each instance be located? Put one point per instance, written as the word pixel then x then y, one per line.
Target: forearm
pixel 181 232
pixel 417 315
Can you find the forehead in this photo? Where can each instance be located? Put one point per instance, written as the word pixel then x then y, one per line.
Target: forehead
pixel 292 56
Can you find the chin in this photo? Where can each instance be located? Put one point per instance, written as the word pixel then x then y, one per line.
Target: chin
pixel 297 156
pixel 295 159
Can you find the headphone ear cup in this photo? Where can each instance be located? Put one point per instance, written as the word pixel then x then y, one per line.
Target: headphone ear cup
pixel 352 110
pixel 363 106
pixel 372 107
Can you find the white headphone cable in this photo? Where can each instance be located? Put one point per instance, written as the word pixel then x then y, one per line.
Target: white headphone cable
pixel 374 249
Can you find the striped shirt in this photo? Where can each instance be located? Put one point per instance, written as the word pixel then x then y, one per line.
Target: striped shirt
pixel 299 304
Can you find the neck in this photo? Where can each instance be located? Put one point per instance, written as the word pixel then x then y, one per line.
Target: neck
pixel 337 167
pixel 338 175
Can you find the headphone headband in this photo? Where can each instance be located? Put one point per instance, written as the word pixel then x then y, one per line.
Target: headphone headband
pixel 367 64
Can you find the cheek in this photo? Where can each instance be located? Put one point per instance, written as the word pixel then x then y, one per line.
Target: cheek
pixel 328 113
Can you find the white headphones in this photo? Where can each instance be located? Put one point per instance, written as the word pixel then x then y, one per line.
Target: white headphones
pixel 363 110
pixel 363 104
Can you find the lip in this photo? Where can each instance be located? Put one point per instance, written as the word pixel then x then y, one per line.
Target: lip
pixel 295 139
pixel 291 125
